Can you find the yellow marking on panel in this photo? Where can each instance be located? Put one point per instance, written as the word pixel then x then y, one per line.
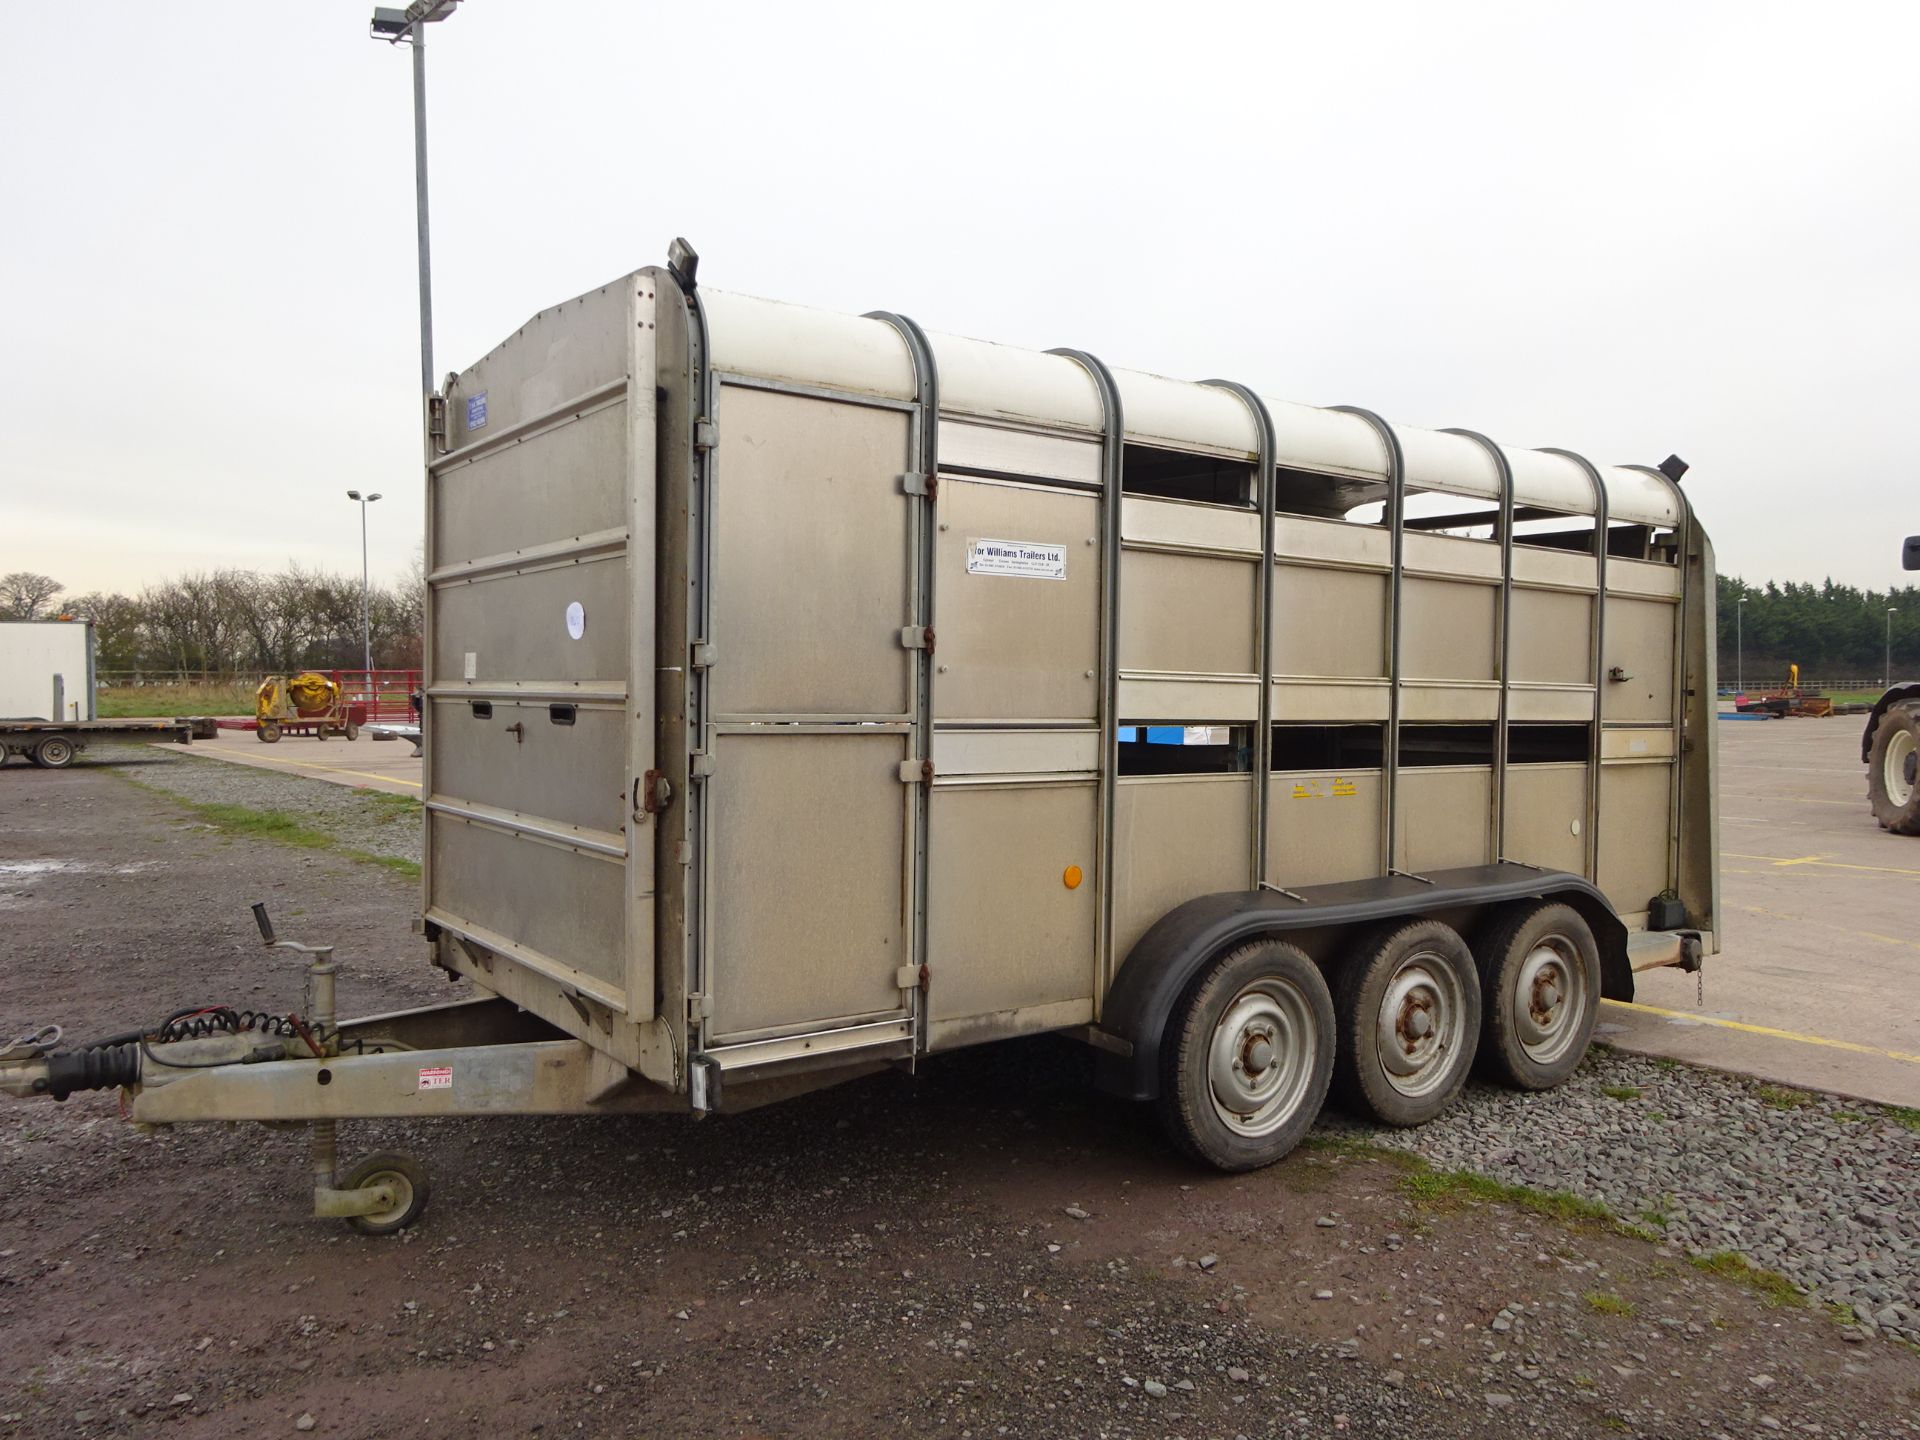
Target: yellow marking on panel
pixel 1767 1030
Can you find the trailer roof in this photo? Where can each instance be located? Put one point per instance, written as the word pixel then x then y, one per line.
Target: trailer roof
pixel 979 378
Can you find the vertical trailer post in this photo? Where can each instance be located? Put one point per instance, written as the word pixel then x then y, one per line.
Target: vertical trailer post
pixel 926 377
pixel 1110 472
pixel 1501 722
pixel 1263 740
pixel 1396 544
pixel 1683 543
pixel 1594 749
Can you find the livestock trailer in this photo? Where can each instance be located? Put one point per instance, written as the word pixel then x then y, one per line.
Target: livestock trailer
pixel 800 689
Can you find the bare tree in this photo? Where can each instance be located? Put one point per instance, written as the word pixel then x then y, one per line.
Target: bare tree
pixel 25 595
pixel 118 621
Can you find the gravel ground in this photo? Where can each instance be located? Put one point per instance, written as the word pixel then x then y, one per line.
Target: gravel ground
pixel 985 1248
pixel 356 819
pixel 1820 1189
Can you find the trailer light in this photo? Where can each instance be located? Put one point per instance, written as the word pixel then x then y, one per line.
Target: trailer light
pixel 1071 877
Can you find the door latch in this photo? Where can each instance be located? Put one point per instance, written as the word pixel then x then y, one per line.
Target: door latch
pixel 652 793
pixel 518 731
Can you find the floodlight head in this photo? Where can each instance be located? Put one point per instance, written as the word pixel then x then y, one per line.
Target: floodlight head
pixel 1673 467
pixel 353 494
pixel 388 23
pixel 372 498
pixel 684 262
pixel 1910 553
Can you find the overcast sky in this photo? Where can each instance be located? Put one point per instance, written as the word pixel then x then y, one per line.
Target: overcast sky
pixel 1627 229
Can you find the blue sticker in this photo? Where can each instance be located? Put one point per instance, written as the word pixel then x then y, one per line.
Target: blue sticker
pixel 477 411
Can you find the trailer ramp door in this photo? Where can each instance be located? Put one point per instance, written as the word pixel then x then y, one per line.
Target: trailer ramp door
pixel 809 816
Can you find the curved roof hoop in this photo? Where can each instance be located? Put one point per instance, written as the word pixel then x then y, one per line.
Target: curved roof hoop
pixel 1683 546
pixel 1396 544
pixel 926 379
pixel 1599 484
pixel 682 265
pixel 1263 739
pixel 1503 468
pixel 1111 449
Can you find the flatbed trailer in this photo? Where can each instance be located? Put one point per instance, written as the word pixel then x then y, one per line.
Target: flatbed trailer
pixel 52 744
pixel 807 694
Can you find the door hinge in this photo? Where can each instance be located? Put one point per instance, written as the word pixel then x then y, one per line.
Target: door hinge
pixel 918 482
pixel 703 656
pixel 917 637
pixel 701 767
pixel 437 421
pixel 653 792
pixel 912 977
pixel 699 1006
pixel 706 436
pixel 916 772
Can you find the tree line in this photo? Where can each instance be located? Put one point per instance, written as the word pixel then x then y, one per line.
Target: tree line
pixel 1832 632
pixel 233 621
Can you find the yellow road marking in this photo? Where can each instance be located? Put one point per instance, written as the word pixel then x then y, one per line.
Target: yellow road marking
pixel 1766 1030
pixel 330 769
pixel 1821 861
pixel 1828 925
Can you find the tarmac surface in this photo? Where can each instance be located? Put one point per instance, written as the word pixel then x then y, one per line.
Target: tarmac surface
pixel 1820 928
pixel 1818 982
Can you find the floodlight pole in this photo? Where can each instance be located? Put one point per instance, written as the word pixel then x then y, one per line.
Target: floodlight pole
pixel 418 34
pixel 1739 648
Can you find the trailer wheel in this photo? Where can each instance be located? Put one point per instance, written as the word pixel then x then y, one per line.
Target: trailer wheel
pixel 267 732
pixel 352 731
pixel 1247 1058
pixel 1892 786
pixel 410 1190
pixel 1540 975
pixel 55 752
pixel 1409 1008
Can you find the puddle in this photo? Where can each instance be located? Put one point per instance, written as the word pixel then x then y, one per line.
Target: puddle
pixel 31 870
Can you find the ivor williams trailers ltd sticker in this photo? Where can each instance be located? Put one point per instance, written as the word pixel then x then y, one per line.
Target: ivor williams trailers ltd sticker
pixel 1022 559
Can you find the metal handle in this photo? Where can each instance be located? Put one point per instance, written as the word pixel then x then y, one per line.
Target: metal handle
pixel 260 919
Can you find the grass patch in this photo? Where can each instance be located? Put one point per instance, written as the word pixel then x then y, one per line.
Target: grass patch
pixel 1770 1285
pixel 1351 1147
pixel 1852 1117
pixel 1780 1097
pixel 242 822
pixel 132 701
pixel 1659 1214
pixel 1449 1189
pixel 1621 1092
pixel 1608 1303
pixel 1905 1116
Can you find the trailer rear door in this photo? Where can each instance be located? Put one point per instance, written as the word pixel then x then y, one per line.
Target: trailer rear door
pixel 809 839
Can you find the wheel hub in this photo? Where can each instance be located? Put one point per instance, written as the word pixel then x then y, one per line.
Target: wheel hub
pixel 1419 1025
pixel 1898 767
pixel 1549 999
pixel 1260 1059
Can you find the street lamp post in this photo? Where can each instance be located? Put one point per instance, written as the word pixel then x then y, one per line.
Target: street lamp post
pixel 1739 648
pixel 410 25
pixel 366 610
pixel 1886 665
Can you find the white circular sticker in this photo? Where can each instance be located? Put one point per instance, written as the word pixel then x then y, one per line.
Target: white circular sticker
pixel 576 620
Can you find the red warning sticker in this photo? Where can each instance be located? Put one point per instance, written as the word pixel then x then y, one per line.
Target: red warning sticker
pixel 439 1077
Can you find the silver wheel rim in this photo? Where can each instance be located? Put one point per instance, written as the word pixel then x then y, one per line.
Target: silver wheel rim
pixel 56 752
pixel 1896 767
pixel 1549 998
pixel 1421 1024
pixel 1260 1060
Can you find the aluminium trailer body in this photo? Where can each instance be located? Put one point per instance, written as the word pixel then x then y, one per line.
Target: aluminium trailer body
pixel 792 687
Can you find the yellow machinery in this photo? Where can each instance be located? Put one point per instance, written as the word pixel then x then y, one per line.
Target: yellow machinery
pixel 308 704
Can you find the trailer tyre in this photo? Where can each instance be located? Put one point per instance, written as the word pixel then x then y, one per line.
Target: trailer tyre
pixel 1247 1057
pixel 1409 1008
pixel 352 731
pixel 268 731
pixel 1540 976
pixel 410 1190
pixel 55 752
pixel 1893 788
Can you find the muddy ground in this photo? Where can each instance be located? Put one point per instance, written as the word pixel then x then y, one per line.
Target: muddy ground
pixel 895 1257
